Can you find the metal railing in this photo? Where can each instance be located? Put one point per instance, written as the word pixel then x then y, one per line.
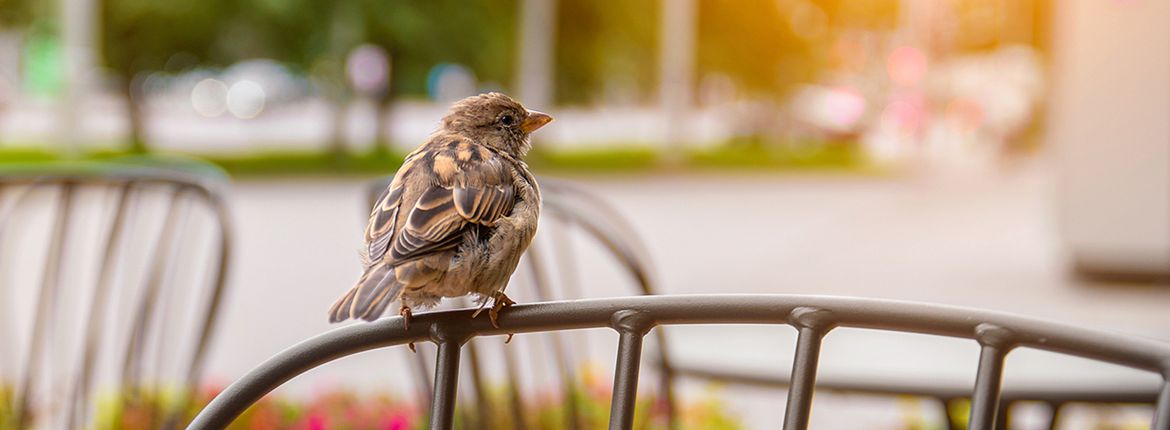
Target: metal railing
pixel 633 317
pixel 180 185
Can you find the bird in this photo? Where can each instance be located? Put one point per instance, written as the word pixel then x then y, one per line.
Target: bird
pixel 456 218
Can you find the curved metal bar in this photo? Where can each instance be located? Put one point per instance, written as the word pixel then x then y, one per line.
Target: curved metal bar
pixel 96 317
pixel 145 170
pixel 483 410
pixel 1162 411
pixel 626 255
pixel 623 245
pixel 219 287
pixel 210 313
pixel 903 316
pixel 146 308
pixel 422 377
pixel 6 214
pixel 928 388
pixel 47 302
pixel 564 367
pixel 599 204
pixel 515 401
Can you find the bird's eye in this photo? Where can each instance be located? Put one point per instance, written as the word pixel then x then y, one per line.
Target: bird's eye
pixel 508 120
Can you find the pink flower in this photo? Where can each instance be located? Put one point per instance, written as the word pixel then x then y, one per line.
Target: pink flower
pixel 317 422
pixel 398 422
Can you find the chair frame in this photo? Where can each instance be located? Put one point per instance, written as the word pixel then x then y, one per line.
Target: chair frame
pixel 186 179
pixel 633 317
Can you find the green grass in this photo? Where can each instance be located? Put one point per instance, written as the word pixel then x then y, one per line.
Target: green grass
pixel 308 164
pixel 632 158
pixel 606 159
pixel 15 155
pixel 804 155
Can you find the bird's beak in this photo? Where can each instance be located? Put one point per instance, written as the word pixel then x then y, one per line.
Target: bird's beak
pixel 534 121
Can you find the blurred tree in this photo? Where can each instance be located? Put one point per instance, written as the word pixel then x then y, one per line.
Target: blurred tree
pixel 312 37
pixel 606 51
pixel 139 37
pixel 419 35
pixel 16 14
pixel 868 14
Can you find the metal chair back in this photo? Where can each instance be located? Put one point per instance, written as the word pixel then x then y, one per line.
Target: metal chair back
pixel 632 318
pixel 112 275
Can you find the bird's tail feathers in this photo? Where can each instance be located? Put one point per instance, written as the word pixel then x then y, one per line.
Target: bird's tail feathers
pixel 369 298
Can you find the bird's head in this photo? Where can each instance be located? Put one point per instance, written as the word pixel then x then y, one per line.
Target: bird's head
pixel 495 120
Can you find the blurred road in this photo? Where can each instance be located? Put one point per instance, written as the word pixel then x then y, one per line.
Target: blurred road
pixel 985 240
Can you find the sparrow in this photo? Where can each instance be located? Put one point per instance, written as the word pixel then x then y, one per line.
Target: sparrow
pixel 456 217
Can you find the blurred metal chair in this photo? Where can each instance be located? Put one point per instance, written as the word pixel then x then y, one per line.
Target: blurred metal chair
pixel 632 318
pixel 566 207
pixel 571 207
pixel 124 293
pixel 576 207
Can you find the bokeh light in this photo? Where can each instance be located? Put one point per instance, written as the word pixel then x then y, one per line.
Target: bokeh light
pixel 808 21
pixel 835 109
pixel 209 97
pixel 245 99
pixel 368 69
pixel 447 82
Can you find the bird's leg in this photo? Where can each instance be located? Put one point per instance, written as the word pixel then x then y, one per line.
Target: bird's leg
pixel 499 301
pixel 406 315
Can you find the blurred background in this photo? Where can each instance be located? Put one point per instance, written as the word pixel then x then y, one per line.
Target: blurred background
pixel 1010 155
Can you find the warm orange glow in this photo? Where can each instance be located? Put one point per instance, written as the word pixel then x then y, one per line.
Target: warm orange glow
pixel 906 66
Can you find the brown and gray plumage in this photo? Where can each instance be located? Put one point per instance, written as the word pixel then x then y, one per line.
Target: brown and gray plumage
pixel 457 216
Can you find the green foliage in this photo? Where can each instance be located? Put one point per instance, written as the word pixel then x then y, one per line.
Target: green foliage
pixel 606 47
pixel 418 35
pixel 347 410
pixel 17 13
pixel 299 33
pixel 144 35
pixel 801 155
pixel 7 412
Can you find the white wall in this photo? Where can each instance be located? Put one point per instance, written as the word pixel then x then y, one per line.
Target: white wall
pixel 1110 130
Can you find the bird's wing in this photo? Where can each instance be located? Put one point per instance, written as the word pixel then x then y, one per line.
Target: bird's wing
pixel 383 220
pixel 467 184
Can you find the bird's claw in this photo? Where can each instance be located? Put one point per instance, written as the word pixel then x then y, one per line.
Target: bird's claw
pixel 406 315
pixel 499 302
